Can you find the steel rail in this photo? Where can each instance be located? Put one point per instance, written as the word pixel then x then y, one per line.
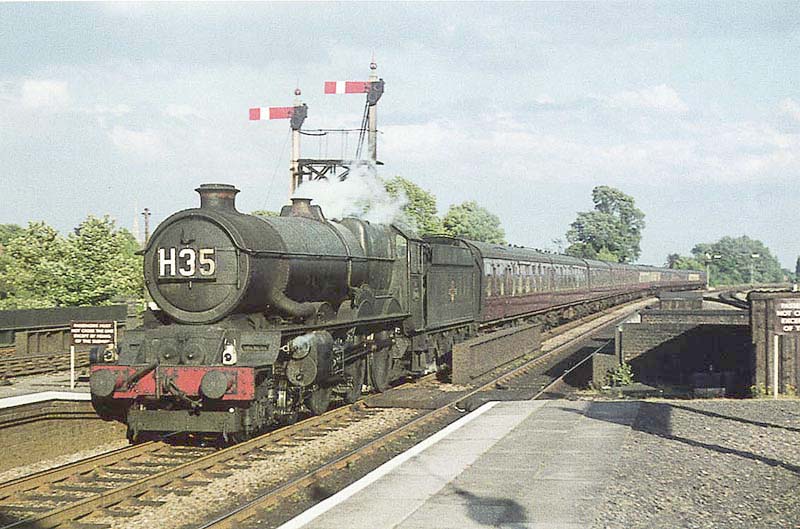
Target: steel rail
pixel 58 473
pixel 83 507
pixel 563 375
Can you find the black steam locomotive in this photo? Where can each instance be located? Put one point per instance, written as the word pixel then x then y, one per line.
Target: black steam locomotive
pixel 262 318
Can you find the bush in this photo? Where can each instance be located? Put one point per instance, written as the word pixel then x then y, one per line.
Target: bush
pixel 621 376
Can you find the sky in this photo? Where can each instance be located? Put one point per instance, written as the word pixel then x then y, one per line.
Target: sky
pixel 691 108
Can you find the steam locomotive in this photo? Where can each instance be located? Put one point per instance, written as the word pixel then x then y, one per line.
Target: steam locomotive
pixel 260 319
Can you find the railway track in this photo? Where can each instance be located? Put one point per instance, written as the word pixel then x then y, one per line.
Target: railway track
pixel 120 484
pixel 16 366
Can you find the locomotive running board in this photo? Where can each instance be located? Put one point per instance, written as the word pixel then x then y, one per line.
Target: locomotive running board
pixel 477 356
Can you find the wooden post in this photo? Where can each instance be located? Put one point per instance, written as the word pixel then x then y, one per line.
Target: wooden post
pixel 775 361
pixel 71 367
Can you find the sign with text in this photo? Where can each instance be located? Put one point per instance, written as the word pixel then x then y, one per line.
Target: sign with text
pixel 787 312
pixel 93 332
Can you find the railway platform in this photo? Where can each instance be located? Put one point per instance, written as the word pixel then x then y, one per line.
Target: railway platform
pixel 528 464
pixel 39 388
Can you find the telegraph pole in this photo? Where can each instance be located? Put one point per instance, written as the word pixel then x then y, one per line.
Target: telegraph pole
pixel 299 113
pixel 146 214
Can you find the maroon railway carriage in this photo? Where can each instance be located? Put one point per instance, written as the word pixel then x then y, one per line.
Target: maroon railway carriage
pixel 516 281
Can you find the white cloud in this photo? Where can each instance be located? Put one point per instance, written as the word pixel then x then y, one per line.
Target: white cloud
pixel 182 112
pixel 113 110
pixel 661 98
pixel 146 142
pixel 712 152
pixel 791 107
pixel 44 93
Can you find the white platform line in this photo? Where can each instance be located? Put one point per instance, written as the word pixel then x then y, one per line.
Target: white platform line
pixel 322 507
pixel 30 398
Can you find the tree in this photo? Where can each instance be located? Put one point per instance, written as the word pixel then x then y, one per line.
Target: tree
pixel 102 263
pixel 797 270
pixel 681 262
pixel 36 266
pixel 471 221
pixel 265 213
pixel 91 266
pixel 7 232
pixel 420 210
pixel 739 257
pixel 614 228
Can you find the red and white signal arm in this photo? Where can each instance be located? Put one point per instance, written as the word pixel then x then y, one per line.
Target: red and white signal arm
pixel 346 87
pixel 259 113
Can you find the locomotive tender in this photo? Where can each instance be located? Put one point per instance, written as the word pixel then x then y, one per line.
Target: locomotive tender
pixel 261 318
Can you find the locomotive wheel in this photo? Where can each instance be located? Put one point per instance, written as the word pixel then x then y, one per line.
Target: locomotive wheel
pixel 319 400
pixel 380 369
pixel 356 372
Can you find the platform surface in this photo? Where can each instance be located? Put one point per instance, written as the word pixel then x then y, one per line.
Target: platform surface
pixel 528 464
pixel 43 387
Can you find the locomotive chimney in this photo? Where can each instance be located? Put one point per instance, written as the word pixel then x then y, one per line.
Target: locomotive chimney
pixel 301 207
pixel 218 196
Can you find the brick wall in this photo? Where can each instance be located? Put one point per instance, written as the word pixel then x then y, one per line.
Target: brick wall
pixel 697 317
pixel 34 432
pixel 602 364
pixel 668 353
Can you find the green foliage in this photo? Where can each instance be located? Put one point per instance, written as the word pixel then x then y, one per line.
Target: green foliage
pixel 33 275
pixel 614 228
pixel 736 261
pixel 91 266
pixel 103 264
pixel 607 255
pixel 265 213
pixel 681 262
pixel 621 376
pixel 471 221
pixel 421 207
pixel 797 270
pixel 8 232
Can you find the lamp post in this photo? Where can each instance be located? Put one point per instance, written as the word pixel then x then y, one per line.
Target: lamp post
pixel 753 257
pixel 709 258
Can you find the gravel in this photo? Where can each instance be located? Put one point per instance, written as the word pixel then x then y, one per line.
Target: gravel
pixel 707 464
pixel 47 464
pixel 261 474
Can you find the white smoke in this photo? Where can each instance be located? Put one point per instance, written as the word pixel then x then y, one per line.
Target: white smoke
pixel 361 195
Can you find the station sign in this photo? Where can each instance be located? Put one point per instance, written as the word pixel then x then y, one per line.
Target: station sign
pixel 787 316
pixel 93 332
